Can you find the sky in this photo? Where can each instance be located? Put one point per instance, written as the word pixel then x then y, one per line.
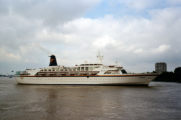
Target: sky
pixel 135 33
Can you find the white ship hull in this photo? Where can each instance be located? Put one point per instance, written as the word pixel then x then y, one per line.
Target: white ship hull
pixel 85 80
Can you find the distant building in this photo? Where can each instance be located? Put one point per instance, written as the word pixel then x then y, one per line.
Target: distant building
pixel 160 67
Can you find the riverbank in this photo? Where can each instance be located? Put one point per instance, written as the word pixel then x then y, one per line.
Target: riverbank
pixel 167 77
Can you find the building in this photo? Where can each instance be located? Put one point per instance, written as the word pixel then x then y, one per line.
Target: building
pixel 160 67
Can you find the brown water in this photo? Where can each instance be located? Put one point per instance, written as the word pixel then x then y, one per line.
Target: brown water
pixel 158 101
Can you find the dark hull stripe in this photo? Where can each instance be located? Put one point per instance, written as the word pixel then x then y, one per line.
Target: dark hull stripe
pixel 109 84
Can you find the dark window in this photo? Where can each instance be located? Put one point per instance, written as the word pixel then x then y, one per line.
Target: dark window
pixel 123 71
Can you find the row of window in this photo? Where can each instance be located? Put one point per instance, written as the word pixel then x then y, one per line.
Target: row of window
pixel 82 81
pixel 87 78
pixel 78 80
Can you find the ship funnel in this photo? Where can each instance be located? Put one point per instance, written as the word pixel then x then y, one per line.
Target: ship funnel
pixel 53 61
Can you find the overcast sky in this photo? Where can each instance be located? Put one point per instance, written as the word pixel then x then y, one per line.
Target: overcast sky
pixel 136 33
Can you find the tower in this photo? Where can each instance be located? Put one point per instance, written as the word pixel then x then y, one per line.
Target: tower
pixel 160 67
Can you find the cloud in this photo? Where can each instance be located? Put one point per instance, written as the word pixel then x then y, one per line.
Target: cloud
pixel 103 42
pixel 27 60
pixel 138 4
pixel 48 11
pixel 173 2
pixel 28 32
pixel 7 56
pixel 161 49
pixel 138 51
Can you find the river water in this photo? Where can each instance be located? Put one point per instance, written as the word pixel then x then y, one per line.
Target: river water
pixel 158 101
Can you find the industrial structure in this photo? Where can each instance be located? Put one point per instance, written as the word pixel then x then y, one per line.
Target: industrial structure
pixel 160 67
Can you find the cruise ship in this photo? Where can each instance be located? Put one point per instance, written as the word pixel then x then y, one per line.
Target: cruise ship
pixel 83 74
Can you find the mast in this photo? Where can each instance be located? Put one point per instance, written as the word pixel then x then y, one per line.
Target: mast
pixel 100 58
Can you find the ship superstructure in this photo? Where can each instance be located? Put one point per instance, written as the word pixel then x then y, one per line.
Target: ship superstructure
pixel 87 73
